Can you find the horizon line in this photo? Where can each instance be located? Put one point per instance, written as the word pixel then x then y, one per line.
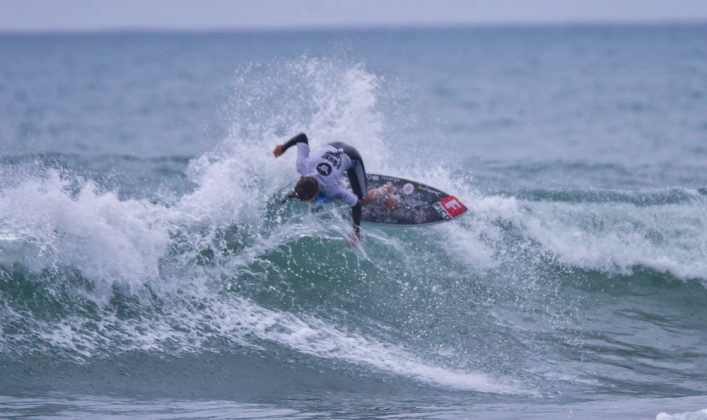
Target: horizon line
pixel 355 27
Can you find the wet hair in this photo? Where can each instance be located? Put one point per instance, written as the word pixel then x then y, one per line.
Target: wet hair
pixel 306 188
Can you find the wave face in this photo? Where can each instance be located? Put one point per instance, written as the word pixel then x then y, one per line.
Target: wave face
pixel 174 272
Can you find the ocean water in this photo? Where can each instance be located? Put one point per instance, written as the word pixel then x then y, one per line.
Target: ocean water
pixel 146 271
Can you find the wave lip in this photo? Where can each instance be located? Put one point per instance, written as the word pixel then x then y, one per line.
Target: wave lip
pixel 666 236
pixel 51 222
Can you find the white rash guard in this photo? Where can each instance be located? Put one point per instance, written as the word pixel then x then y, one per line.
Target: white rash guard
pixel 328 166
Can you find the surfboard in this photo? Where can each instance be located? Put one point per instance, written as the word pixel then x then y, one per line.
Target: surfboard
pixel 401 201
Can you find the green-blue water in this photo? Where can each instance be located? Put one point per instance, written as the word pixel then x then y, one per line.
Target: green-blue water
pixel 146 271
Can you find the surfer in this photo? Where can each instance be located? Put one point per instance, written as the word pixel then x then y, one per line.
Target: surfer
pixel 322 172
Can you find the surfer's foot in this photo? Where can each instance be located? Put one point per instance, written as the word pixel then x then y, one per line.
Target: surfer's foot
pixel 354 239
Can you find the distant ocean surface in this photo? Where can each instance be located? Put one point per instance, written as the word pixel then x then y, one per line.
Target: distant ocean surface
pixel 146 271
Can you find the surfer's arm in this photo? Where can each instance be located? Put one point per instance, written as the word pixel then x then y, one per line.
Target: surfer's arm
pixel 302 156
pixel 302 151
pixel 299 138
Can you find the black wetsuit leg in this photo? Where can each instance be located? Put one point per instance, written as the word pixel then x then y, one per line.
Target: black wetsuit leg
pixel 357 171
pixel 357 178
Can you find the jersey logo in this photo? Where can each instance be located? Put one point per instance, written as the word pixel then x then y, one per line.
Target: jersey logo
pixel 334 158
pixel 324 169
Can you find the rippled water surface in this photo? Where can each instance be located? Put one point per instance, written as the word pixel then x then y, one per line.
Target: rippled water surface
pixel 147 268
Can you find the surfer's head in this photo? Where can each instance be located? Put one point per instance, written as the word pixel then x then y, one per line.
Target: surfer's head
pixel 306 188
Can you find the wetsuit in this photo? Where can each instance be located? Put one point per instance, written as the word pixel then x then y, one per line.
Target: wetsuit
pixel 327 165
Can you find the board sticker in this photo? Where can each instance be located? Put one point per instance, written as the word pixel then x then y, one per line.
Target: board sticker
pixel 441 211
pixel 451 206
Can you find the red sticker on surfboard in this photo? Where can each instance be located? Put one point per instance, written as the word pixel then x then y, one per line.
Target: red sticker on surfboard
pixel 451 206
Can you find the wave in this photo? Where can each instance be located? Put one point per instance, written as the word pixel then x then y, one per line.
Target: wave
pixel 642 198
pixel 154 274
pixel 88 272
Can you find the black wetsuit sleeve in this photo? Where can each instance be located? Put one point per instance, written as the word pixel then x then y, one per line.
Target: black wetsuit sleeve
pixel 299 138
pixel 356 215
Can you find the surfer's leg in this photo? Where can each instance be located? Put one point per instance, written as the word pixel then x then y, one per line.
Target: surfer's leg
pixel 357 171
pixel 357 179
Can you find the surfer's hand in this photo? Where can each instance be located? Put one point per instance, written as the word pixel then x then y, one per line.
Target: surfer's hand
pixel 278 151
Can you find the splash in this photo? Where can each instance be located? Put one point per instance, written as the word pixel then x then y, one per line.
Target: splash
pixel 48 223
pixel 180 266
